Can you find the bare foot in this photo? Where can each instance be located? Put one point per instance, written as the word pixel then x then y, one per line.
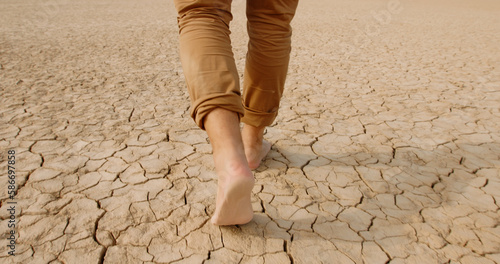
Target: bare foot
pixel 235 179
pixel 233 206
pixel 256 148
pixel 256 153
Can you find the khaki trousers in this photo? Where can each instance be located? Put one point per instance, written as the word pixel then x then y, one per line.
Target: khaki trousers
pixel 208 62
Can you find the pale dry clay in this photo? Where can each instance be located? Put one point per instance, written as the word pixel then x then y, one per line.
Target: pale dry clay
pixel 386 148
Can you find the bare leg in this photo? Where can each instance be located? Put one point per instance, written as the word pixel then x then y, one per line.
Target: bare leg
pixel 235 179
pixel 256 148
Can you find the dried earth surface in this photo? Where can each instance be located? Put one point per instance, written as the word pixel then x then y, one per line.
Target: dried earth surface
pixel 386 149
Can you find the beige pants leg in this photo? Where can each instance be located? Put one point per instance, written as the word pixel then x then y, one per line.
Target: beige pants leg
pixel 208 62
pixel 267 58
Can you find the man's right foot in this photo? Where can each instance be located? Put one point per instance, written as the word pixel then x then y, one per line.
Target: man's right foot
pixel 256 148
pixel 256 153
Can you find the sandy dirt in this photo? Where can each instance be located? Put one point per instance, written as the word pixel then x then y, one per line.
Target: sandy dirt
pixel 386 148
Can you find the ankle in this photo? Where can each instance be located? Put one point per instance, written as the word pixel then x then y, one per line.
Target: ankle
pixel 252 135
pixel 232 165
pixel 238 168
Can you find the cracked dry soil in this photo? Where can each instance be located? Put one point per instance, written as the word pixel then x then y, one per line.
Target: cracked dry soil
pixel 386 149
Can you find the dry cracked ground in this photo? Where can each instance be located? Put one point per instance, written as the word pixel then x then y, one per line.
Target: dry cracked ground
pixel 386 149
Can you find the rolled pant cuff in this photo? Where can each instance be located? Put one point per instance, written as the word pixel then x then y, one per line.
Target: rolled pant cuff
pixel 203 106
pixel 258 119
